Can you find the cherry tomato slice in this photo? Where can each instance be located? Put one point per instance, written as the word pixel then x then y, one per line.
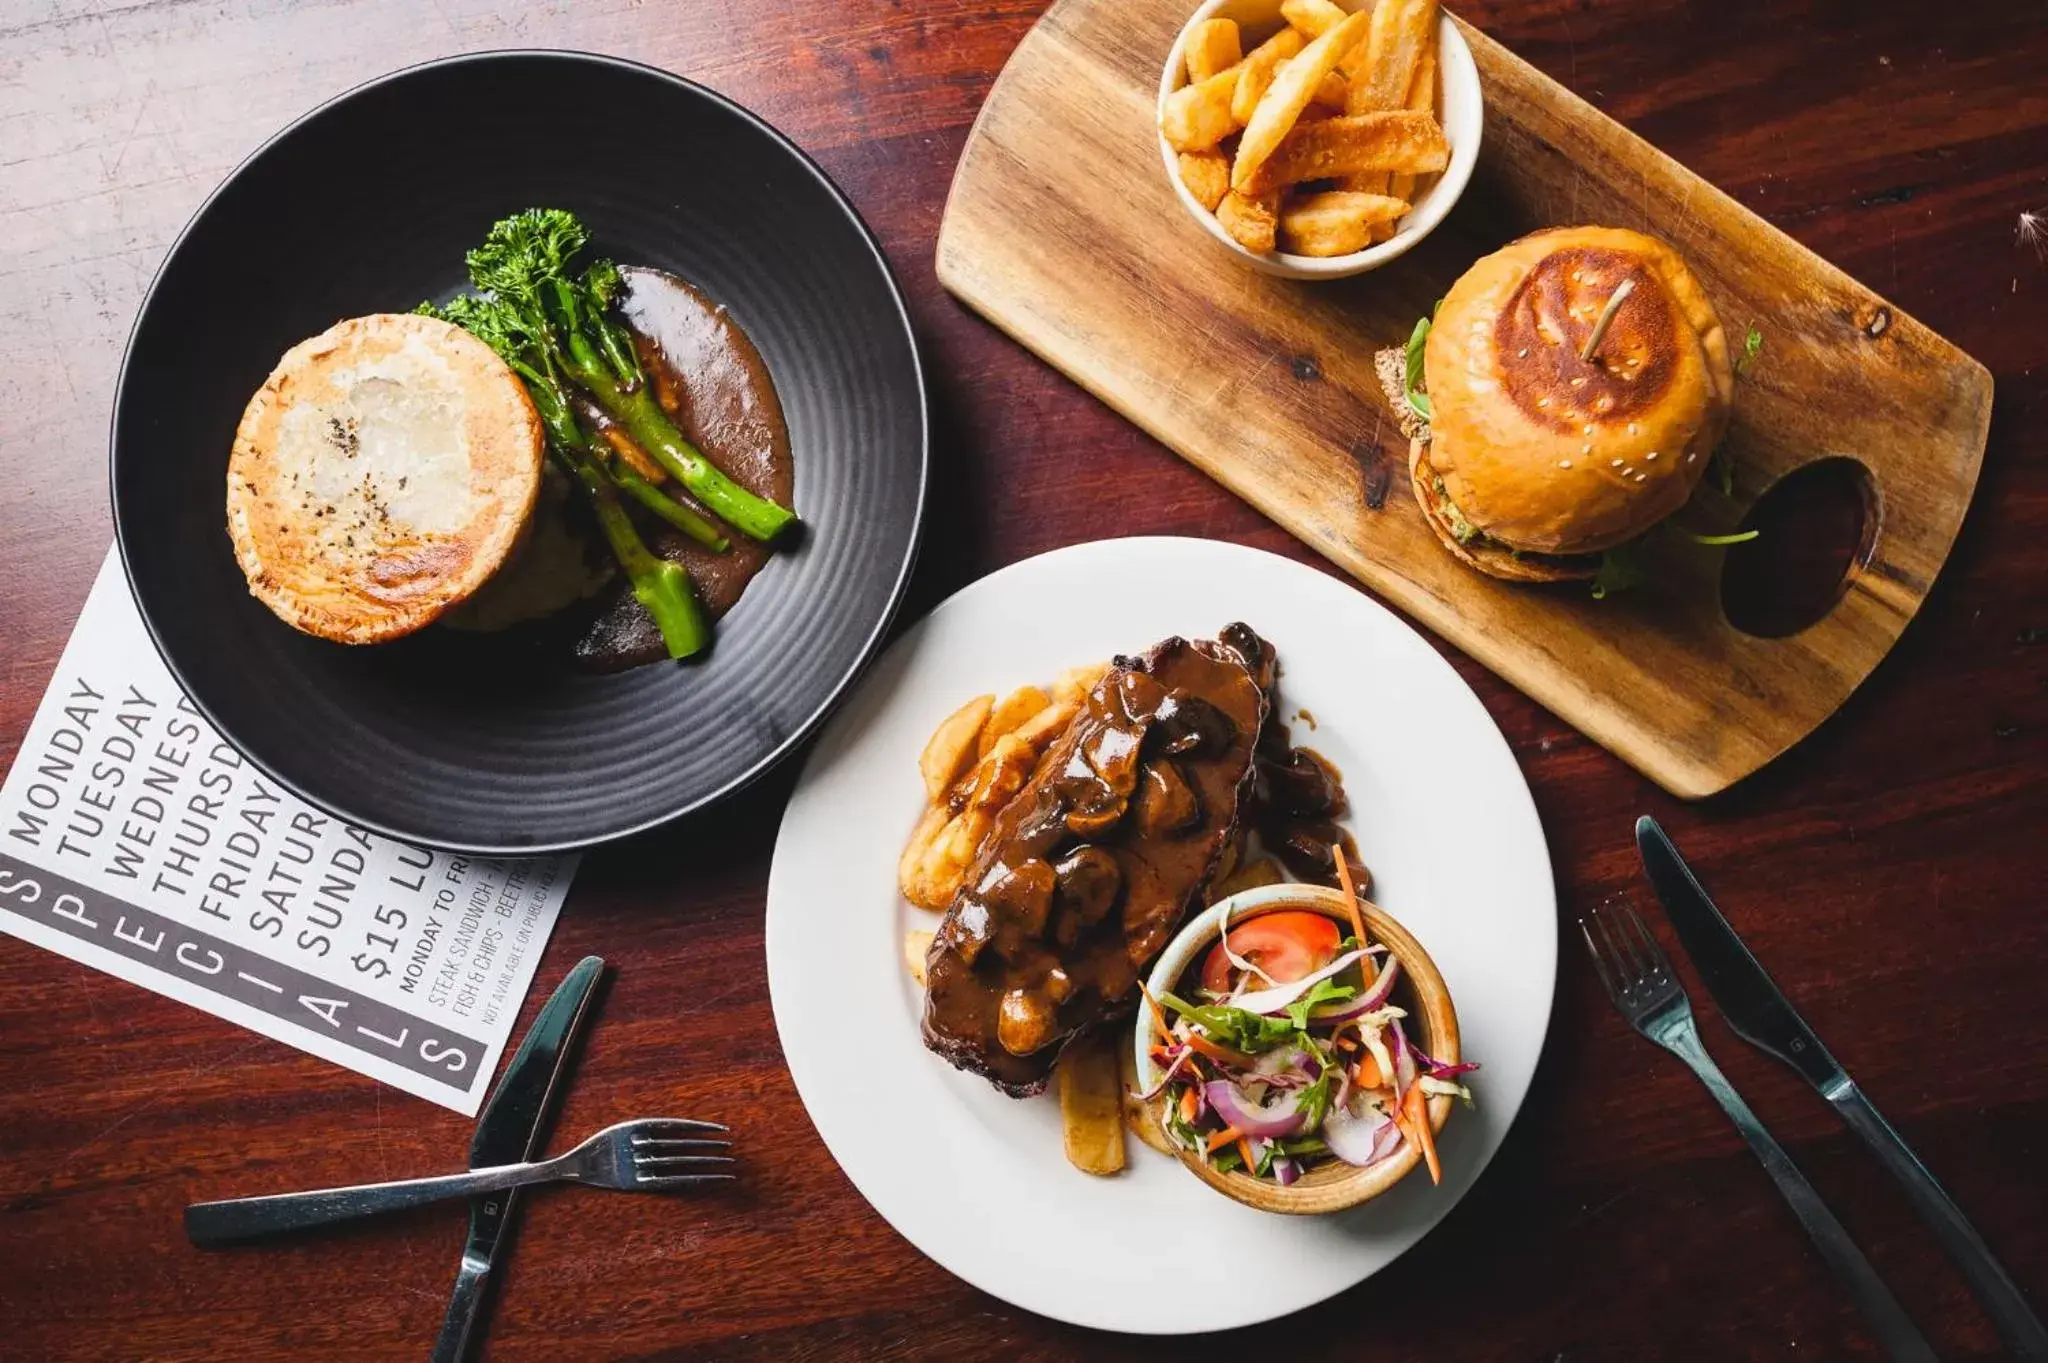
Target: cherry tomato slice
pixel 1286 945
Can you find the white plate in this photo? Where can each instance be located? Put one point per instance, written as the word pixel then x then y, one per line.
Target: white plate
pixel 978 1181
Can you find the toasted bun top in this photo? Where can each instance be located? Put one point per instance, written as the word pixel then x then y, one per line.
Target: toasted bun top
pixel 1554 454
pixel 380 475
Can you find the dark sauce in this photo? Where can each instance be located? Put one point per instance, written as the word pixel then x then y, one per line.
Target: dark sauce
pixel 1297 798
pixel 716 388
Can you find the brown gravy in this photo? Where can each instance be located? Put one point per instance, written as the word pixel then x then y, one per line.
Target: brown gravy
pixel 716 388
pixel 1091 869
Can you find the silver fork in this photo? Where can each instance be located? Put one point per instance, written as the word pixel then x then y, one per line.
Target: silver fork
pixel 651 1155
pixel 1639 977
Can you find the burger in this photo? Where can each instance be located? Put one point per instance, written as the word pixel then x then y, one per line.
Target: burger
pixel 1566 397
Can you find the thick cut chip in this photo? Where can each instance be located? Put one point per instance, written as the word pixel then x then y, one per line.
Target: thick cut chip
pixel 1335 223
pixel 1421 100
pixel 1213 45
pixel 1402 30
pixel 1075 683
pixel 1255 72
pixel 1313 18
pixel 1253 221
pixel 1010 713
pixel 1356 144
pixel 1137 1116
pixel 917 943
pixel 910 868
pixel 953 746
pixel 1198 116
pixel 1092 1103
pixel 1289 94
pixel 1207 176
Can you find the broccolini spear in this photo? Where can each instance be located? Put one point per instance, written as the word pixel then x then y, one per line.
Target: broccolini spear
pixel 523 264
pixel 662 588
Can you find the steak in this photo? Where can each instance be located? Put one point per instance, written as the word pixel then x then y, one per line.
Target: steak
pixel 1090 869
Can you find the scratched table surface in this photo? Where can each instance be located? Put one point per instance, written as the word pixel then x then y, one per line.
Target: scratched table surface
pixel 1888 871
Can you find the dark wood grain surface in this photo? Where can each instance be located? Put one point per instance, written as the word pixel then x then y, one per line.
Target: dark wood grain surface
pixel 1889 871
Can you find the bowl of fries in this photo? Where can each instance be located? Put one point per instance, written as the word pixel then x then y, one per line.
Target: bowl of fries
pixel 1319 139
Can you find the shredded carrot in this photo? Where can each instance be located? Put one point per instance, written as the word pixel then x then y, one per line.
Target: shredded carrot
pixel 1369 1076
pixel 1244 1151
pixel 1223 1138
pixel 1158 1013
pixel 1346 1044
pixel 1415 1107
pixel 1350 893
pixel 1222 1055
pixel 1187 1105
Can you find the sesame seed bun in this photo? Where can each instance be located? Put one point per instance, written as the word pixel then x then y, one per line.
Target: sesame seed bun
pixel 381 474
pixel 1551 456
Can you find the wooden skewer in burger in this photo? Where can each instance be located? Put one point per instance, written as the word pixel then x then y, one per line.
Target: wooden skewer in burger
pixel 1571 390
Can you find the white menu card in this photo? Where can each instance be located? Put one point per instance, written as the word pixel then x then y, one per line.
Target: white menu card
pixel 135 840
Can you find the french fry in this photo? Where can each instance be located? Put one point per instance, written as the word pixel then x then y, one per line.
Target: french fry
pixel 1010 712
pixel 1213 45
pixel 1253 221
pixel 1198 116
pixel 953 746
pixel 1207 176
pixel 1289 94
pixel 1356 144
pixel 1421 100
pixel 1091 1104
pixel 1075 683
pixel 1312 19
pixel 1401 30
pixel 1137 1116
pixel 1335 223
pixel 917 943
pixel 1041 729
pixel 910 867
pixel 1255 72
pixel 1331 94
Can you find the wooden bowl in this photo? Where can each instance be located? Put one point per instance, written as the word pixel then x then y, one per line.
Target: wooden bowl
pixel 1333 1186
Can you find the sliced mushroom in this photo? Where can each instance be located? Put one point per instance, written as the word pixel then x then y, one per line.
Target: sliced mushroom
pixel 1166 803
pixel 1025 1021
pixel 1297 785
pixel 1020 894
pixel 1088 880
pixel 1188 724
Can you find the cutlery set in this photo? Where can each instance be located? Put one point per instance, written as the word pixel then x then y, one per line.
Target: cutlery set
pixel 1639 977
pixel 653 1154
pixel 672 1154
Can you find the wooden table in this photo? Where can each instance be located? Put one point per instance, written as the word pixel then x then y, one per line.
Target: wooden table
pixel 1889 872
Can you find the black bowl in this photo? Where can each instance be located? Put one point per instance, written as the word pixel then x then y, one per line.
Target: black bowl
pixel 367 205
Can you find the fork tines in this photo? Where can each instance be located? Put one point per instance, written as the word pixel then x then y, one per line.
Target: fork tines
pixel 1627 958
pixel 660 1158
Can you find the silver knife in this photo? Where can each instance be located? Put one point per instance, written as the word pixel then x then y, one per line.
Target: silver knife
pixel 1762 1016
pixel 512 1129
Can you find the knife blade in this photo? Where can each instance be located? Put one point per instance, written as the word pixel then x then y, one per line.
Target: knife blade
pixel 1760 1014
pixel 511 1130
pixel 1748 999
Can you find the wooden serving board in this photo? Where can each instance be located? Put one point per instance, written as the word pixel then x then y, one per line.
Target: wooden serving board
pixel 1062 229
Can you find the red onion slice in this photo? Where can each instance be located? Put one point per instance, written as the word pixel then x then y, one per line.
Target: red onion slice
pixel 1372 999
pixel 1285 1170
pixel 1404 1061
pixel 1354 1138
pixel 1280 1118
